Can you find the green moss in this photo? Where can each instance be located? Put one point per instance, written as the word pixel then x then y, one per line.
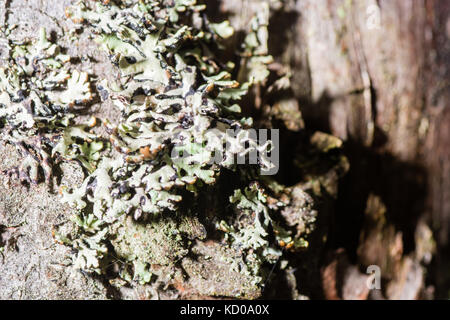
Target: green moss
pixel 157 242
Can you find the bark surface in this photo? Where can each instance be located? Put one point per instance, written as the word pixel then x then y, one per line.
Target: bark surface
pixel 372 72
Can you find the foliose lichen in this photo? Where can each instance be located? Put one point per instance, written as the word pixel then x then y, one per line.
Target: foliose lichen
pixel 175 98
pixel 39 95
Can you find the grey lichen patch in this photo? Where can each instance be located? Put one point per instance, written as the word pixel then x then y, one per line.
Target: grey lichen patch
pixel 250 231
pixel 255 47
pixel 160 110
pixel 175 99
pixel 39 93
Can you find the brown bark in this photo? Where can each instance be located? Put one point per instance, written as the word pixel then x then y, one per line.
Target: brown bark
pixel 387 85
pixel 384 88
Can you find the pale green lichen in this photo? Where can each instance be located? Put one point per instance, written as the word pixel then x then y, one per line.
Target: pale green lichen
pixel 255 47
pixel 38 95
pixel 251 230
pixel 177 104
pixel 180 115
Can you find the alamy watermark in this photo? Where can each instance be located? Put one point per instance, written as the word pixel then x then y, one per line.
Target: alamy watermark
pixel 373 15
pixel 240 146
pixel 374 280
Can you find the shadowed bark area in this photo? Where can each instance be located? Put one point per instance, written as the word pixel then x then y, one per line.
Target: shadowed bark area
pixel 376 74
pixel 380 72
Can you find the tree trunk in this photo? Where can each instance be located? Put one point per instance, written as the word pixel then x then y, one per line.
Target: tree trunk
pixel 376 74
pixel 379 75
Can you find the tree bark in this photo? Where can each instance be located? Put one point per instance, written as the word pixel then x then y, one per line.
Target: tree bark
pixel 380 80
pixel 376 74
